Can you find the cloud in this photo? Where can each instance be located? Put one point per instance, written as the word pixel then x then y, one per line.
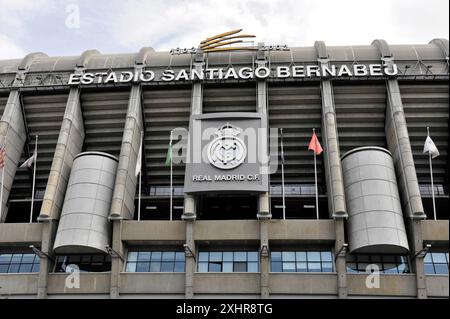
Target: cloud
pixel 9 50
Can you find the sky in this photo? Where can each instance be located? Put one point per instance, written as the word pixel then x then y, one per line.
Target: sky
pixel 69 27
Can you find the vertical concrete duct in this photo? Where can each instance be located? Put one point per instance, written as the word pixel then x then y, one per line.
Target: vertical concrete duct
pixel 375 223
pixel 84 226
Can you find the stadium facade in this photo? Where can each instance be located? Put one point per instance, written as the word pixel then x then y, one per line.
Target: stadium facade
pixel 214 228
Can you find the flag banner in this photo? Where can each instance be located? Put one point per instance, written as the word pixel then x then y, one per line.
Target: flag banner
pixel 169 155
pixel 314 145
pixel 29 161
pixel 430 148
pixel 2 158
pixel 139 161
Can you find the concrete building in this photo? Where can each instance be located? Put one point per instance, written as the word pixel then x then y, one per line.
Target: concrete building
pixel 219 231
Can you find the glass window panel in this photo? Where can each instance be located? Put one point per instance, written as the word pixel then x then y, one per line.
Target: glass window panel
pixel 390 268
pixel 375 259
pixel 428 258
pixel 313 256
pixel 240 256
pixel 142 267
pixel 215 267
pixel 228 266
pixel 131 267
pixel 14 268
pixel 25 268
pixel 363 266
pixel 227 256
pixel 179 256
pixel 402 269
pixel 144 256
pixel 288 256
pixel 132 256
pixel 167 266
pixel 203 256
pixel 302 267
pixel 155 266
pixel 98 259
pixel 5 258
pixel 314 267
pixel 215 256
pixel 327 267
pixel 429 269
pixel 363 258
pixel 441 268
pixel 252 256
pixel 276 266
pixel 73 259
pixel 86 258
pixel 300 255
pixel 156 256
pixel 288 267
pixel 240 266
pixel 16 258
pixel 389 259
pixel 179 266
pixel 252 266
pixel 275 256
pixel 326 256
pixel 351 267
pixel 4 268
pixel 29 258
pixel 36 267
pixel 203 267
pixel 168 256
pixel 439 258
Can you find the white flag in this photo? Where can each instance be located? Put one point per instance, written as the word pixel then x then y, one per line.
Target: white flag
pixel 29 161
pixel 139 160
pixel 430 148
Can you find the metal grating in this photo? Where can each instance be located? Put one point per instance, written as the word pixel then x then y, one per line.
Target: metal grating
pixel 104 115
pixel 165 109
pixel 360 112
pixel 229 99
pixel 44 114
pixel 3 101
pixel 427 105
pixel 296 109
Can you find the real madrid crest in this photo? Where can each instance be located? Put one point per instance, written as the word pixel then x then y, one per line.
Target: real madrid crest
pixel 227 150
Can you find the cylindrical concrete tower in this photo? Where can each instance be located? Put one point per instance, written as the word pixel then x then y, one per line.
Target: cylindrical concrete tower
pixel 375 223
pixel 84 225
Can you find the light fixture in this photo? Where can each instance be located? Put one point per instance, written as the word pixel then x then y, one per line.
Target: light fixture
pixel 342 252
pixel 113 253
pixel 278 206
pixel 423 252
pixel 151 207
pixel 188 251
pixel 264 252
pixel 309 206
pixel 178 207
pixel 40 253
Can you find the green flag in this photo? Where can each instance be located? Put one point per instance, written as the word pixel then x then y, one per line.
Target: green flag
pixel 169 155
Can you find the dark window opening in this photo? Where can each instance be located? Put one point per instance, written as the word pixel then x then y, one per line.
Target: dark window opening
pixel 159 208
pixel 228 261
pixel 83 263
pixel 386 264
pixel 19 210
pixel 441 199
pixel 222 206
pixel 146 260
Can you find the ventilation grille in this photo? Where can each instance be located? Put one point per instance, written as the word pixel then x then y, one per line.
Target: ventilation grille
pixel 229 99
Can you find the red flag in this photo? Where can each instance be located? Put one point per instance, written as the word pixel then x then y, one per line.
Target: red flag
pixel 314 145
pixel 2 157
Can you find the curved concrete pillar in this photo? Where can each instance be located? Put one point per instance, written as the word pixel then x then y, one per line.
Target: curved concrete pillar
pixel 29 59
pixel 383 47
pixel 141 58
pixel 443 45
pixel 85 57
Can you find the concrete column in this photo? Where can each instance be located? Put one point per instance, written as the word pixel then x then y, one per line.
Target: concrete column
pixel 46 264
pixel 333 168
pixel 340 262
pixel 416 245
pixel 264 258
pixel 190 259
pixel 12 138
pixel 116 261
pixel 70 143
pixel 122 206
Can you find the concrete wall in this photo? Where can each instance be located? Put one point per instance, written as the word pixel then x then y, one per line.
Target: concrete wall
pixel 21 234
pixel 390 285
pixel 437 286
pixel 435 230
pixel 90 283
pixel 152 283
pixel 303 284
pixel 226 283
pixel 18 284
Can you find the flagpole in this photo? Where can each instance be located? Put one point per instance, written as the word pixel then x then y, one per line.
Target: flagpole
pixel 315 181
pixel 282 176
pixel 34 180
pixel 171 176
pixel 432 180
pixel 140 180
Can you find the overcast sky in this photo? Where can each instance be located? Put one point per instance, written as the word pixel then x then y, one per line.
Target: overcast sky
pixel 68 27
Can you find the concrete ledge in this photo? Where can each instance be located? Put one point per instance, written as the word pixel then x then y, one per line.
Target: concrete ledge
pixel 302 229
pixel 226 229
pixel 18 284
pixel 22 233
pixel 303 283
pixel 227 283
pixel 390 285
pixel 90 283
pixel 155 230
pixel 435 230
pixel 437 285
pixel 152 283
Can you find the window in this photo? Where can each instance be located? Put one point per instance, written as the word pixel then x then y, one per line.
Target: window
pixel 301 261
pixel 436 263
pixel 85 263
pixel 19 263
pixel 387 264
pixel 228 261
pixel 155 261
